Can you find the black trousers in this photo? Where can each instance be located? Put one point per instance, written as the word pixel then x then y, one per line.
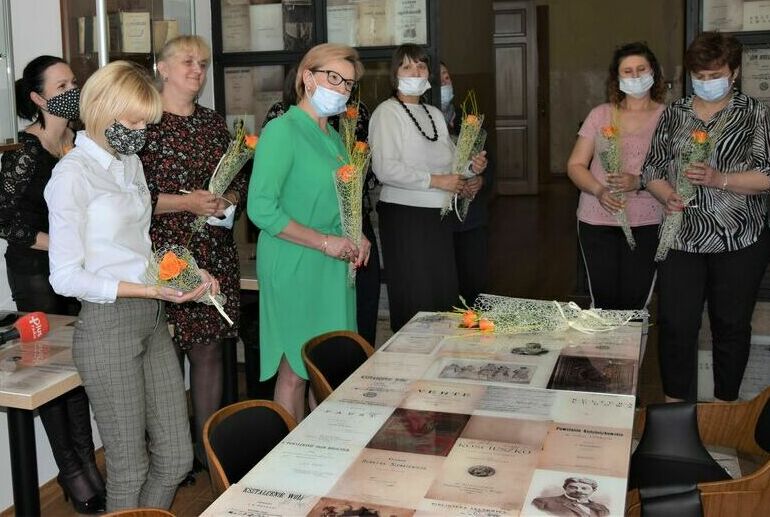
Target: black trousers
pixel 418 251
pixel 368 288
pixel 471 260
pixel 728 282
pixel 618 277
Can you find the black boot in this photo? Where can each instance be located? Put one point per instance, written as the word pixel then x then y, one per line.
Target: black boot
pixel 72 478
pixel 82 437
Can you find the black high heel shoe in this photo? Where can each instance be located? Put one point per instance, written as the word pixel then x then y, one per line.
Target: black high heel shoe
pixel 95 504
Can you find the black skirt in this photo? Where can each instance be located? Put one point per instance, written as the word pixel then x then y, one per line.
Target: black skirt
pixel 418 251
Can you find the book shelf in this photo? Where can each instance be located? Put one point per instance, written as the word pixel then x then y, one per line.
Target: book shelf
pixel 135 30
pixel 256 42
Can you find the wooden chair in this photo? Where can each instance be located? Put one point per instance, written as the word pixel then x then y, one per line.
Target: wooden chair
pixel 140 512
pixel 734 425
pixel 238 436
pixel 330 359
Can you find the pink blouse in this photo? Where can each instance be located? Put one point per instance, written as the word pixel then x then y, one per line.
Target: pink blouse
pixel 641 208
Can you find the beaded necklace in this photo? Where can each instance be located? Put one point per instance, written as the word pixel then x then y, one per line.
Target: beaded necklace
pixel 433 124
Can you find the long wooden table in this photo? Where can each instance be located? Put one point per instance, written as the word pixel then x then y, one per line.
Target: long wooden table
pixel 32 374
pixel 445 421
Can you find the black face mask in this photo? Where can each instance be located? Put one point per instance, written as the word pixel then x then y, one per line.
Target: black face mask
pixel 65 105
pixel 125 140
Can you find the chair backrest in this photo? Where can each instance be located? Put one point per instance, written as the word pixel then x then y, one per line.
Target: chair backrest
pixel 670 451
pixel 330 359
pixel 140 512
pixel 762 431
pixel 238 436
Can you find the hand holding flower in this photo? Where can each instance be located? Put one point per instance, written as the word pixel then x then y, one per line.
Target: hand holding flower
pixel 341 248
pixel 479 162
pixel 472 187
pixel 622 182
pixel 610 201
pixel 700 173
pixel 201 202
pixel 363 253
pixel 674 203
pixel 450 182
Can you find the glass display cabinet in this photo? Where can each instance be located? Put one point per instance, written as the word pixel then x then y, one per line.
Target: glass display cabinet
pixel 257 42
pixel 134 30
pixel 8 127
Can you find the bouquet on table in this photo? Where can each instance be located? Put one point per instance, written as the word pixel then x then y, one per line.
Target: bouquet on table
pixel 239 151
pixel 505 315
pixel 697 150
pixel 609 154
pixel 470 142
pixel 349 180
pixel 174 266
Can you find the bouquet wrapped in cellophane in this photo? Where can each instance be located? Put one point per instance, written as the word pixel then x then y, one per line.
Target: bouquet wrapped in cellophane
pixel 609 154
pixel 468 143
pixel 349 180
pixel 239 151
pixel 174 266
pixel 698 150
pixel 504 315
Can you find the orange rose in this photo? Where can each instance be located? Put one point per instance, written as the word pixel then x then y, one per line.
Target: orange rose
pixel 346 173
pixel 360 147
pixel 170 266
pixel 486 325
pixel 351 112
pixel 700 136
pixel 609 132
pixel 250 141
pixel 472 119
pixel 469 319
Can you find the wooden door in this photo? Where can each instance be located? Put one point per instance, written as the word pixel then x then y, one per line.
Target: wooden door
pixel 515 52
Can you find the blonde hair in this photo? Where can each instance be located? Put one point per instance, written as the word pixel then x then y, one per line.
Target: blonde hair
pixel 317 56
pixel 185 42
pixel 119 90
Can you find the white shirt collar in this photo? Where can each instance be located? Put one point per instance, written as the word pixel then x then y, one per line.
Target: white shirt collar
pixel 94 150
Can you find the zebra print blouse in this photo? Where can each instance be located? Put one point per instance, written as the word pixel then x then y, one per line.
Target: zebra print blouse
pixel 718 220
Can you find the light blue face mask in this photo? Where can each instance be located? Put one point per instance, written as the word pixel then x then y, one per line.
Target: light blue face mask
pixel 326 102
pixel 711 90
pixel 447 94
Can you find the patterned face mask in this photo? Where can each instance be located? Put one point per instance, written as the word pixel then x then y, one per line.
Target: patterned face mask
pixel 125 140
pixel 65 105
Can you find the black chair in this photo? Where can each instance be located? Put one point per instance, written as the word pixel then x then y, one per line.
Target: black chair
pixel 330 359
pixel 238 436
pixel 670 451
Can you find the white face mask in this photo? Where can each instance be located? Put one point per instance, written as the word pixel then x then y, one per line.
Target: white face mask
pixel 326 102
pixel 413 85
pixel 713 89
pixel 636 87
pixel 447 94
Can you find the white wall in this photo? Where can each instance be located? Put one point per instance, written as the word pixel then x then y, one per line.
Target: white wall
pixel 36 31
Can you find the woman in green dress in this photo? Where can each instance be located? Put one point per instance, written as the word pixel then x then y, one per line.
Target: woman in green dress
pixel 302 257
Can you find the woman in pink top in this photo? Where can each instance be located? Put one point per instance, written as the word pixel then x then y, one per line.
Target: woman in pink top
pixel 619 276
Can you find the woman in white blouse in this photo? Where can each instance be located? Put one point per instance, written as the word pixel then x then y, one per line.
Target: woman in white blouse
pixel 99 218
pixel 412 156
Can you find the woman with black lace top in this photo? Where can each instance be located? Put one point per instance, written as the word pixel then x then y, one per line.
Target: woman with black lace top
pixel 48 96
pixel 412 157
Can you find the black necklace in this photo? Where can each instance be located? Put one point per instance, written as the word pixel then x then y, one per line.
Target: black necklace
pixel 433 124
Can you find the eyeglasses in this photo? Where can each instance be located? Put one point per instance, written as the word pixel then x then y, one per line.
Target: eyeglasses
pixel 336 79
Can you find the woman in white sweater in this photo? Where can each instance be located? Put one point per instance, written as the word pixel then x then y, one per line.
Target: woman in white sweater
pixel 412 157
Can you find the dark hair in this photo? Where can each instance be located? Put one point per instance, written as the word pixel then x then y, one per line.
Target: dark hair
pixel 710 50
pixel 414 52
pixel 637 48
pixel 33 80
pixel 289 93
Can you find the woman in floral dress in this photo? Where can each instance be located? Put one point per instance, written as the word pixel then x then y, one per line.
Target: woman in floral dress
pixel 179 157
